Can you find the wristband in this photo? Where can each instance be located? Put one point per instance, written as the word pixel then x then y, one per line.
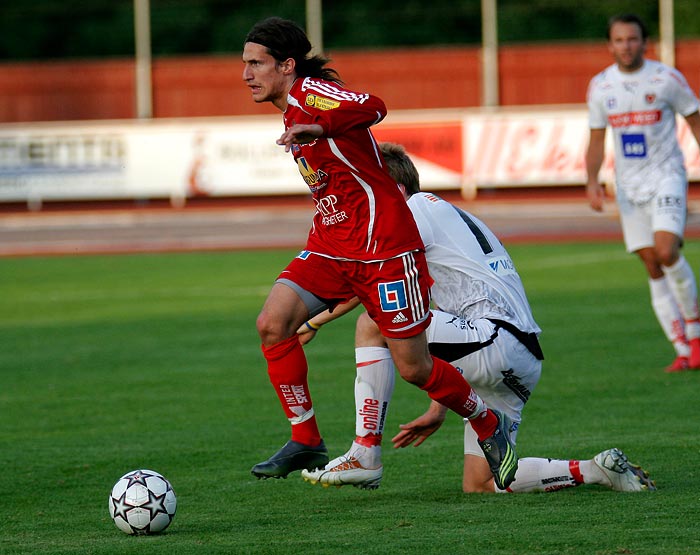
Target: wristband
pixel 311 326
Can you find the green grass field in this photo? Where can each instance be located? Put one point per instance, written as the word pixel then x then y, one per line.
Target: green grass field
pixel 152 361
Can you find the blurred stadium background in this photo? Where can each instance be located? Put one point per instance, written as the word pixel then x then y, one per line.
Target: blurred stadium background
pixel 139 103
pixel 68 60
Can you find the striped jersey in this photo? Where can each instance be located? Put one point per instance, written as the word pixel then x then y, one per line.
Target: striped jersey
pixel 360 212
pixel 641 109
pixel 474 277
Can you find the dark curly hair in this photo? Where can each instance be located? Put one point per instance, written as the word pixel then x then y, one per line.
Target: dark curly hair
pixel 284 39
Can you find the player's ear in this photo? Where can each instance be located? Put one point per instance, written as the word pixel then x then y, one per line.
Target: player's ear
pixel 288 66
pixel 403 190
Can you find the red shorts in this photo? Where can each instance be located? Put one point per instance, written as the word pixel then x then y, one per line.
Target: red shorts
pixel 395 292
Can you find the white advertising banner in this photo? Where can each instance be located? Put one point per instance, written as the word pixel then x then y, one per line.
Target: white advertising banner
pixel 144 160
pixel 178 159
pixel 541 148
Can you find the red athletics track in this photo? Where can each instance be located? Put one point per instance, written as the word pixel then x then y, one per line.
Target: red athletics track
pixel 516 216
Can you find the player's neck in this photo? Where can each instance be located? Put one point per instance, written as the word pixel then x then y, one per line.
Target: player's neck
pixel 281 102
pixel 631 68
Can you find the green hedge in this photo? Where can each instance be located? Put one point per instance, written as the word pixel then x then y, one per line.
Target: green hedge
pixel 46 29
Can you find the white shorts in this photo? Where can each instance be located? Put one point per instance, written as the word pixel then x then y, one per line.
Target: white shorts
pixel 500 368
pixel 665 211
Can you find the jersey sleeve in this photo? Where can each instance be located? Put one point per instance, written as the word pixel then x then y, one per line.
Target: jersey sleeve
pixel 337 109
pixel 597 117
pixel 684 100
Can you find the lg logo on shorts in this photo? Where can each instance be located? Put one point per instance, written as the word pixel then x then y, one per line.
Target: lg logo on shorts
pixel 392 296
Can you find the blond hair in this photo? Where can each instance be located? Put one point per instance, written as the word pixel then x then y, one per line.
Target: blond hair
pixel 400 167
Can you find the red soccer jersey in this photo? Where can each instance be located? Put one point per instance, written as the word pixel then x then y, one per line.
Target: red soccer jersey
pixel 360 212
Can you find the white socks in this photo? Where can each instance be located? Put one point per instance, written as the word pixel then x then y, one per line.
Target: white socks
pixel 668 314
pixel 681 282
pixel 374 386
pixel 536 474
pixel 369 457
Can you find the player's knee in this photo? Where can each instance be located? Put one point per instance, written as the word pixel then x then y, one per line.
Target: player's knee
pixel 411 376
pixel 667 255
pixel 412 359
pixel 415 374
pixel 471 488
pixel 473 485
pixel 262 324
pixel 477 477
pixel 650 260
pixel 271 329
pixel 367 332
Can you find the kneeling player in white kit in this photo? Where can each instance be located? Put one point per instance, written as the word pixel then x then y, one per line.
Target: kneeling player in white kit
pixel 485 328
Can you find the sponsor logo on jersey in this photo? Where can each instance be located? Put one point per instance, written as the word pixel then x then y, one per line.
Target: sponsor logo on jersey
pixel 650 98
pixel 503 266
pixel 315 179
pixel 393 297
pixel 634 145
pixel 321 103
pixel 327 208
pixel 645 117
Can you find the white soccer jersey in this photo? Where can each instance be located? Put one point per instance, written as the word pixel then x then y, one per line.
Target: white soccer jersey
pixel 641 109
pixel 474 275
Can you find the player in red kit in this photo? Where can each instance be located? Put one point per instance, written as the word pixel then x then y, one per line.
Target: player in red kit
pixel 353 249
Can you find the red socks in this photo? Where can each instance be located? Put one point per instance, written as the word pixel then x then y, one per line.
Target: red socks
pixel 485 424
pixel 447 386
pixel 287 369
pixel 370 440
pixel 575 469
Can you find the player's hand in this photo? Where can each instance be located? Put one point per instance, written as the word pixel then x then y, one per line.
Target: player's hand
pixel 596 195
pixel 417 431
pixel 300 134
pixel 305 334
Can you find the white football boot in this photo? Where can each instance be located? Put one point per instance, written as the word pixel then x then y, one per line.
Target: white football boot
pixel 622 474
pixel 351 469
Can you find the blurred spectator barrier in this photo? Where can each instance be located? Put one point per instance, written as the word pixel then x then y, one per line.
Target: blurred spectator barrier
pixel 177 159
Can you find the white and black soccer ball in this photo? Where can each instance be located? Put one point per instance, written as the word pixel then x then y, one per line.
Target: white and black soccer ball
pixel 142 502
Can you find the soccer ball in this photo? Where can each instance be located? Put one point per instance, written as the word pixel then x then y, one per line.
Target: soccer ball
pixel 142 502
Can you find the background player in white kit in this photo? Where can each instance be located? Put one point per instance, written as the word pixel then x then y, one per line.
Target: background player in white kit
pixel 639 99
pixel 486 329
